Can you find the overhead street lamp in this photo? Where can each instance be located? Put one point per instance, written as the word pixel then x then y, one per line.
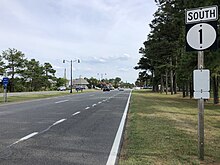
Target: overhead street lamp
pixel 101 76
pixel 71 77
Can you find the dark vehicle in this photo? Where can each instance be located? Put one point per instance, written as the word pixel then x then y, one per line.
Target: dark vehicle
pixel 79 88
pixel 106 89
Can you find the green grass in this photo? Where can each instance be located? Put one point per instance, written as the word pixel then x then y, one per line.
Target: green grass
pixel 26 97
pixel 162 129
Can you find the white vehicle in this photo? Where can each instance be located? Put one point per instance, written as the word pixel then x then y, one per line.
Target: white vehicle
pixel 120 89
pixel 62 88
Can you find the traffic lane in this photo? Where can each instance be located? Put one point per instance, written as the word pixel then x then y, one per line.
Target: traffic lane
pixel 85 138
pixel 40 116
pixel 22 106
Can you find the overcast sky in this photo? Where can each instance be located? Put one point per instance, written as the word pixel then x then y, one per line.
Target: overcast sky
pixel 104 34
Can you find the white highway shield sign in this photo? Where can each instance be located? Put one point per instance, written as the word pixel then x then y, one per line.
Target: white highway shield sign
pixel 201 36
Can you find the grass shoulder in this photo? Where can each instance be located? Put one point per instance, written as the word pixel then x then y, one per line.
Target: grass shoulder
pixel 162 129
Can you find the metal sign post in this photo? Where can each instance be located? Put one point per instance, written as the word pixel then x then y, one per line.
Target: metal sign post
pixel 201 113
pixel 201 34
pixel 5 94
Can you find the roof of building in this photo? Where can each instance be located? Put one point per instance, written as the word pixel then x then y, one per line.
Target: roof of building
pixel 80 81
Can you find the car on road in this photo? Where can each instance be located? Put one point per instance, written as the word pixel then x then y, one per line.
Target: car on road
pixel 79 88
pixel 62 88
pixel 106 88
pixel 121 89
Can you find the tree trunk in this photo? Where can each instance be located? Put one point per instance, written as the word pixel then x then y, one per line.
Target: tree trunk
pixel 215 89
pixel 187 88
pixel 184 91
pixel 191 89
pixel 166 82
pixel 171 77
pixel 174 83
pixel 162 84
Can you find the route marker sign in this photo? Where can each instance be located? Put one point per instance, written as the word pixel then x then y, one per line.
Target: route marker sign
pixel 201 34
pixel 201 28
pixel 202 14
pixel 5 81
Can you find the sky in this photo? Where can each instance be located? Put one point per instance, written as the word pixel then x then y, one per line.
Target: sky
pixel 104 34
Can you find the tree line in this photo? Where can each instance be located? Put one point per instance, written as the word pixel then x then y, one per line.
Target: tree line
pixel 164 63
pixel 115 82
pixel 27 75
pixel 30 75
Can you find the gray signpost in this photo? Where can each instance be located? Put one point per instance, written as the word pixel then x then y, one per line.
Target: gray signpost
pixel 201 34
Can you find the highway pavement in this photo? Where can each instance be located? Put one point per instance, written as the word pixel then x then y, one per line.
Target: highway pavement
pixel 77 129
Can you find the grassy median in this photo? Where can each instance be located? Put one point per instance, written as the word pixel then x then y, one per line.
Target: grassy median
pixel 162 130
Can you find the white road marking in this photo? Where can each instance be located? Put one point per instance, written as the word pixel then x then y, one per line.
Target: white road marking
pixel 94 105
pixel 26 137
pixel 87 107
pixel 62 101
pixel 99 102
pixel 91 95
pixel 115 147
pixel 76 113
pixel 60 121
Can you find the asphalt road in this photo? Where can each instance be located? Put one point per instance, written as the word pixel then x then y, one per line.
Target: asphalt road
pixel 75 129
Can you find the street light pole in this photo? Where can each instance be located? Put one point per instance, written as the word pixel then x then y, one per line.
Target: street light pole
pixel 71 77
pixel 71 73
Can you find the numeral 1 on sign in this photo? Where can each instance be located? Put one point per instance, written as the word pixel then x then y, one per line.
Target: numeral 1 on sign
pixel 200 34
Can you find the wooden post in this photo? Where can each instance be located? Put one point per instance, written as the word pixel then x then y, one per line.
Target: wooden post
pixel 201 113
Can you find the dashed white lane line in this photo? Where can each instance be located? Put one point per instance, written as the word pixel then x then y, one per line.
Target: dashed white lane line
pixel 25 138
pixel 87 108
pixel 76 113
pixel 59 121
pixel 94 105
pixel 99 102
pixel 35 133
pixel 62 101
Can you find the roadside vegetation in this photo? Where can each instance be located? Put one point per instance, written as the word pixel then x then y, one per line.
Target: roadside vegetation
pixel 29 75
pixel 162 130
pixel 165 64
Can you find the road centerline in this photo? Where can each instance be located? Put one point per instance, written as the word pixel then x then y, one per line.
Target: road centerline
pixel 59 121
pixel 25 138
pixel 62 101
pixel 76 113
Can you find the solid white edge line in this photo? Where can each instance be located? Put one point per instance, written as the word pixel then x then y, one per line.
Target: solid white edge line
pixel 115 147
pixel 76 113
pixel 26 137
pixel 61 101
pixel 59 121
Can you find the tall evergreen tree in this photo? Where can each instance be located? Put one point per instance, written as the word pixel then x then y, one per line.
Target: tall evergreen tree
pixel 14 64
